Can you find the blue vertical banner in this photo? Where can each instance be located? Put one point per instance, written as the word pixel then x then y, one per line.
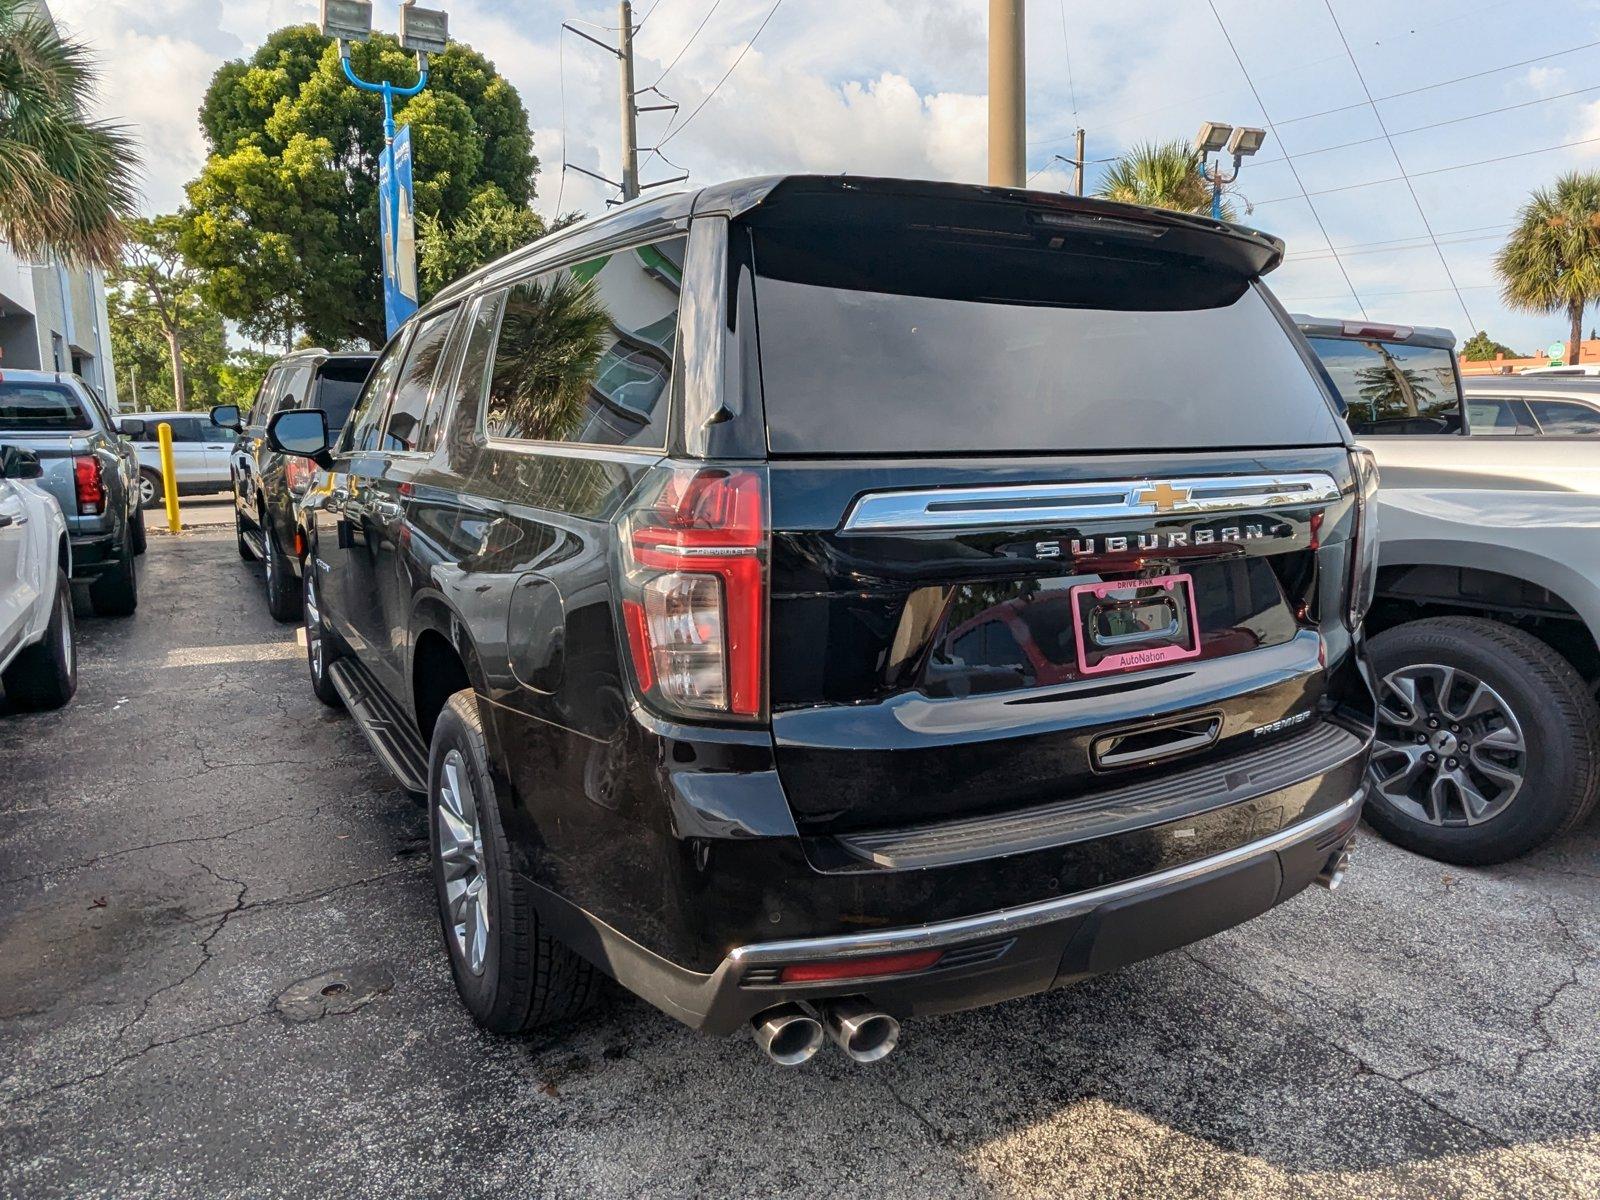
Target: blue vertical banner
pixel 399 232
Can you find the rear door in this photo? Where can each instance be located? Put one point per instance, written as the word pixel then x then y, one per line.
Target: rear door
pixel 17 594
pixel 1050 513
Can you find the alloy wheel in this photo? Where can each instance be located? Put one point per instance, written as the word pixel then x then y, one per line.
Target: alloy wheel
pixel 1449 750
pixel 69 650
pixel 466 885
pixel 313 621
pixel 147 490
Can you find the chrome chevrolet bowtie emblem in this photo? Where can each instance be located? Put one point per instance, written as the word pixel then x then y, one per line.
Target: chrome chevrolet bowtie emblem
pixel 1163 497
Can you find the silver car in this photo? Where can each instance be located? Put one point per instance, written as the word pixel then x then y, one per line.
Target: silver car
pixel 200 454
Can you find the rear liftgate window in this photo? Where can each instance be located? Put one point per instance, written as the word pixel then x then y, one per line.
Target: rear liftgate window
pixel 996 332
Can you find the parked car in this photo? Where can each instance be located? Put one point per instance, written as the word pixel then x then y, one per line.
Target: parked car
pixel 1542 406
pixel 38 652
pixel 200 452
pixel 267 486
pixel 645 603
pixel 1488 594
pixel 91 470
pixel 1577 369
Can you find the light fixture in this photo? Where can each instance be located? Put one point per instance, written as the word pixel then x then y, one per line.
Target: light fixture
pixel 1213 136
pixel 347 20
pixel 1246 140
pixel 424 30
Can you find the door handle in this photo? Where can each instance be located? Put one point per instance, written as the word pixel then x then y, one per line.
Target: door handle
pixel 387 510
pixel 7 521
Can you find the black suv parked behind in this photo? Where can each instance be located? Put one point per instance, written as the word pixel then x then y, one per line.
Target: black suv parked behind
pixel 819 601
pixel 267 485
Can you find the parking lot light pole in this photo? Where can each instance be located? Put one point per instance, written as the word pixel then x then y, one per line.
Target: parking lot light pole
pixel 1240 142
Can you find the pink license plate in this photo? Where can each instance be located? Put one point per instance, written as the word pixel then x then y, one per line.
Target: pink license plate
pixel 1128 624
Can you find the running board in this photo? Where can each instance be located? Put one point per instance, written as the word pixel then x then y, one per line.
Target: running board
pixel 390 731
pixel 257 544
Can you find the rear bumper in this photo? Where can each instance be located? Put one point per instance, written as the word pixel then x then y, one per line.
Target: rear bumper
pixel 993 956
pixel 93 554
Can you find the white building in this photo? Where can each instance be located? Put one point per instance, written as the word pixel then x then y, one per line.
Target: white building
pixel 53 317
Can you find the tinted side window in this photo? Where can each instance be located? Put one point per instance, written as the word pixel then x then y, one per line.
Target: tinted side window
pixel 1391 388
pixel 184 429
pixel 1566 418
pixel 585 354
pixel 1498 415
pixel 362 431
pixel 404 427
pixel 337 388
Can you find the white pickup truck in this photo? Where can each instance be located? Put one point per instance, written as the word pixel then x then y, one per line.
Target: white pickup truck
pixel 1488 604
pixel 38 653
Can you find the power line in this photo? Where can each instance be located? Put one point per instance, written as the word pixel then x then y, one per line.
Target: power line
pixel 1397 248
pixel 1261 162
pixel 1293 170
pixel 1398 243
pixel 1066 48
pixel 687 44
pixel 680 127
pixel 1410 187
pixel 1299 68
pixel 1428 87
pixel 561 75
pixel 1482 162
pixel 1471 287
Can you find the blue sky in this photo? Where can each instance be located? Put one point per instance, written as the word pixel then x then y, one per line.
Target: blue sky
pixel 898 88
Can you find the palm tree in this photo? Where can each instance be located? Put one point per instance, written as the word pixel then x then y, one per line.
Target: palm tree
pixel 65 180
pixel 1161 175
pixel 1551 262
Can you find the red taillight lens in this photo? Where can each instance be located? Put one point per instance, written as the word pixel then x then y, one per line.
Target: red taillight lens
pixel 694 564
pixel 298 473
pixel 860 968
pixel 90 486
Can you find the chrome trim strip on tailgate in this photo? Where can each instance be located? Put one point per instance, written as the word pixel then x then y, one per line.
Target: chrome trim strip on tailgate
pixel 1069 504
pixel 1014 920
pixel 1118 809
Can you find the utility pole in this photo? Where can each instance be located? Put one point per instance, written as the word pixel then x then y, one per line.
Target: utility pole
pixel 1077 164
pixel 630 114
pixel 1007 93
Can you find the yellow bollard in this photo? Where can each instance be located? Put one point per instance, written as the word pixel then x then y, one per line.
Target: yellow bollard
pixel 169 477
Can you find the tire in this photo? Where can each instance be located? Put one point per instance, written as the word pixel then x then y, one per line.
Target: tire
pixel 151 494
pixel 116 593
pixel 283 590
pixel 1534 700
pixel 141 536
pixel 322 647
pixel 523 978
pixel 245 552
pixel 45 675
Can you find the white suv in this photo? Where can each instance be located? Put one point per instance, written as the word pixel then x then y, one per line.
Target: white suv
pixel 38 652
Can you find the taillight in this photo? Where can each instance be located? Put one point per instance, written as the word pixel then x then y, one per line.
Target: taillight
pixel 298 473
pixel 1364 556
pixel 694 578
pixel 91 487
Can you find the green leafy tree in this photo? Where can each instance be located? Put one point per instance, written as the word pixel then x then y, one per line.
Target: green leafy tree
pixel 143 353
pixel 1160 175
pixel 1480 347
pixel 239 378
pixel 157 293
pixel 65 180
pixel 552 335
pixel 491 227
pixel 1551 261
pixel 284 215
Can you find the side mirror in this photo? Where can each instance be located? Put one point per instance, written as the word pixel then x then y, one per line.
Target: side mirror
pixel 17 463
pixel 302 432
pixel 227 416
pixel 132 427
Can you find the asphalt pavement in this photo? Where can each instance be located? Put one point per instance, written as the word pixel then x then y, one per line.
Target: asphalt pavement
pixel 220 975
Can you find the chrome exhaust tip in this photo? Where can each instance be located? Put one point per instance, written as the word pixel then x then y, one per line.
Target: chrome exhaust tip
pixel 860 1030
pixel 1332 874
pixel 788 1034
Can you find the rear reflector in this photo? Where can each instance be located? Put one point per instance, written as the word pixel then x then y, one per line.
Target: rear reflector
pixel 90 486
pixel 860 968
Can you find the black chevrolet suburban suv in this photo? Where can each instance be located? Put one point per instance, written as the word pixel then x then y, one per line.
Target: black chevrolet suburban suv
pixel 267 485
pixel 814 602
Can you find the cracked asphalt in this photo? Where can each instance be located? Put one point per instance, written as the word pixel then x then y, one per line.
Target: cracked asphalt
pixel 220 975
